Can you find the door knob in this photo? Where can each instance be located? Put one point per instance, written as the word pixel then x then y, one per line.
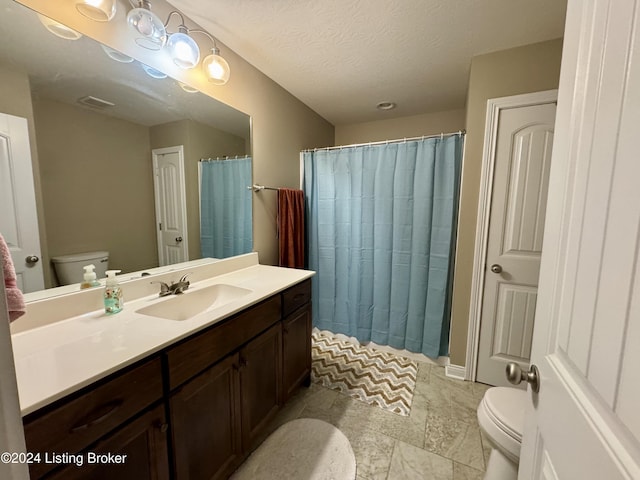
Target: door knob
pixel 31 259
pixel 515 375
pixel 178 239
pixel 495 268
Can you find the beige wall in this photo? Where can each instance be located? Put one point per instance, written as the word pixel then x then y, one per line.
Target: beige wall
pixel 199 141
pixel 282 126
pixel 509 72
pixel 15 99
pixel 403 127
pixel 97 185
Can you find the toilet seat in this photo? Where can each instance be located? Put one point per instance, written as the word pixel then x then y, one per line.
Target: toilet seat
pixel 501 417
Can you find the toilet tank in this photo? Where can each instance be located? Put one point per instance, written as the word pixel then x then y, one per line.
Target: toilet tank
pixel 69 269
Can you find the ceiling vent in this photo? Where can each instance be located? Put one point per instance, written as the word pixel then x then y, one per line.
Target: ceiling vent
pixel 95 102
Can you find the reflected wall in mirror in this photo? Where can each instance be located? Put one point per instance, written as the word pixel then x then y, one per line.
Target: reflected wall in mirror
pixel 93 164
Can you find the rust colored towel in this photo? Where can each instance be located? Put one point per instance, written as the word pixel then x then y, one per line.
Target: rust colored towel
pixel 291 227
pixel 15 300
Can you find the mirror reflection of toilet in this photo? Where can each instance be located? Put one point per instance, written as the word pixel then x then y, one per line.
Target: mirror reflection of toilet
pixel 501 419
pixel 69 269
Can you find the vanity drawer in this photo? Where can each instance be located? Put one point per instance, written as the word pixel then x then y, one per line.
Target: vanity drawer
pixel 204 349
pixel 76 423
pixel 295 297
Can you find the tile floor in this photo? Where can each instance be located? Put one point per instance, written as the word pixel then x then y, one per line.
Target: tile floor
pixel 439 440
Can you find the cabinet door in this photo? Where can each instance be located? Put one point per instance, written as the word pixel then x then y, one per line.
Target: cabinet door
pixel 261 382
pixel 136 451
pixel 296 348
pixel 205 423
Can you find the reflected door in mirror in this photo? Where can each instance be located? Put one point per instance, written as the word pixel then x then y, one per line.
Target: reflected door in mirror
pixel 18 216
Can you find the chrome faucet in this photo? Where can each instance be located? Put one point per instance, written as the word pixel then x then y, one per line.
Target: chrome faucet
pixel 175 288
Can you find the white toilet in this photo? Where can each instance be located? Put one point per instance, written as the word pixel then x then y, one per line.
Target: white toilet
pixel 69 269
pixel 501 418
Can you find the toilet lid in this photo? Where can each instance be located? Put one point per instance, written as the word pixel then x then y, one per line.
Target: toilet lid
pixel 506 407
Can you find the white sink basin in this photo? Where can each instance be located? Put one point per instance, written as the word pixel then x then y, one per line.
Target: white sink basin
pixel 192 302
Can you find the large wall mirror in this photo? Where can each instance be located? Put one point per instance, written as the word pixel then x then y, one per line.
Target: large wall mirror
pixel 100 121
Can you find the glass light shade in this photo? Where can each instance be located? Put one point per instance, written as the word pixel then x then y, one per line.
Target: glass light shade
pixel 149 29
pixel 98 10
pixel 116 55
pixel 58 29
pixel 183 50
pixel 216 68
pixel 188 88
pixel 152 72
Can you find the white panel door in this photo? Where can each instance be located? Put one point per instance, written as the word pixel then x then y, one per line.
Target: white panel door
pixel 171 205
pixel 585 421
pixel 522 156
pixel 18 215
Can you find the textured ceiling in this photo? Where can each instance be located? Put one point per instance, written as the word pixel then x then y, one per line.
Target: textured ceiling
pixel 342 57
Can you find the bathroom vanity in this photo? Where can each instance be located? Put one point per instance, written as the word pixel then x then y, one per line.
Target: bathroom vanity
pixel 193 406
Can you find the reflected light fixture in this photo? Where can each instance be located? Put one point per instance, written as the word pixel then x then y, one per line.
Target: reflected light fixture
pixel 58 29
pixel 98 10
pixel 116 55
pixel 187 88
pixel 182 49
pixel 215 67
pixel 386 106
pixel 152 72
pixel 149 30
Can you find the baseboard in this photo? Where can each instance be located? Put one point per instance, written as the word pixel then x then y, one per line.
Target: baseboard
pixel 455 371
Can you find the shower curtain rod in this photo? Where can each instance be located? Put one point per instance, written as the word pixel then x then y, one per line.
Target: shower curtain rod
pixel 384 142
pixel 226 157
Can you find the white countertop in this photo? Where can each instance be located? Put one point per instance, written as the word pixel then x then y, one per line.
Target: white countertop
pixel 60 358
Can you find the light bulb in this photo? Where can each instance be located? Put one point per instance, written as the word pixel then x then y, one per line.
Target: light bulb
pixel 149 29
pixel 183 50
pixel 98 10
pixel 216 68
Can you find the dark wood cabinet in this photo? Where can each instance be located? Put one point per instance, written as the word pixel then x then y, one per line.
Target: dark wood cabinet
pixel 219 388
pixel 136 451
pixel 71 425
pixel 205 422
pixel 296 347
pixel 260 382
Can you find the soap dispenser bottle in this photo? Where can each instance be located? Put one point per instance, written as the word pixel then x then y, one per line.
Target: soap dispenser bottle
pixel 113 301
pixel 89 278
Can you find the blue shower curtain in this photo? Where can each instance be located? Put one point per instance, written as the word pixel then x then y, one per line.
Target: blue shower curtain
pixel 381 230
pixel 225 208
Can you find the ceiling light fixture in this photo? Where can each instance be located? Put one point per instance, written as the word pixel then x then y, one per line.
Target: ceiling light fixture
pixel 149 30
pixel 98 10
pixel 58 29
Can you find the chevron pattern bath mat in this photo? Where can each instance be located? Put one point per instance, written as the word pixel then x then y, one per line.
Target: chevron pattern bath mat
pixel 374 377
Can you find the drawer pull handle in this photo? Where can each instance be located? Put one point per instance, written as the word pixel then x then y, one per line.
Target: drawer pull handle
pixel 98 416
pixel 298 296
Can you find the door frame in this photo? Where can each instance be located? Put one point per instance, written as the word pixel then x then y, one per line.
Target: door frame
pixel 494 108
pixel 155 153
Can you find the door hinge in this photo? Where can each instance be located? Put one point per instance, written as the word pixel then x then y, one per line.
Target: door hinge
pixel 160 226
